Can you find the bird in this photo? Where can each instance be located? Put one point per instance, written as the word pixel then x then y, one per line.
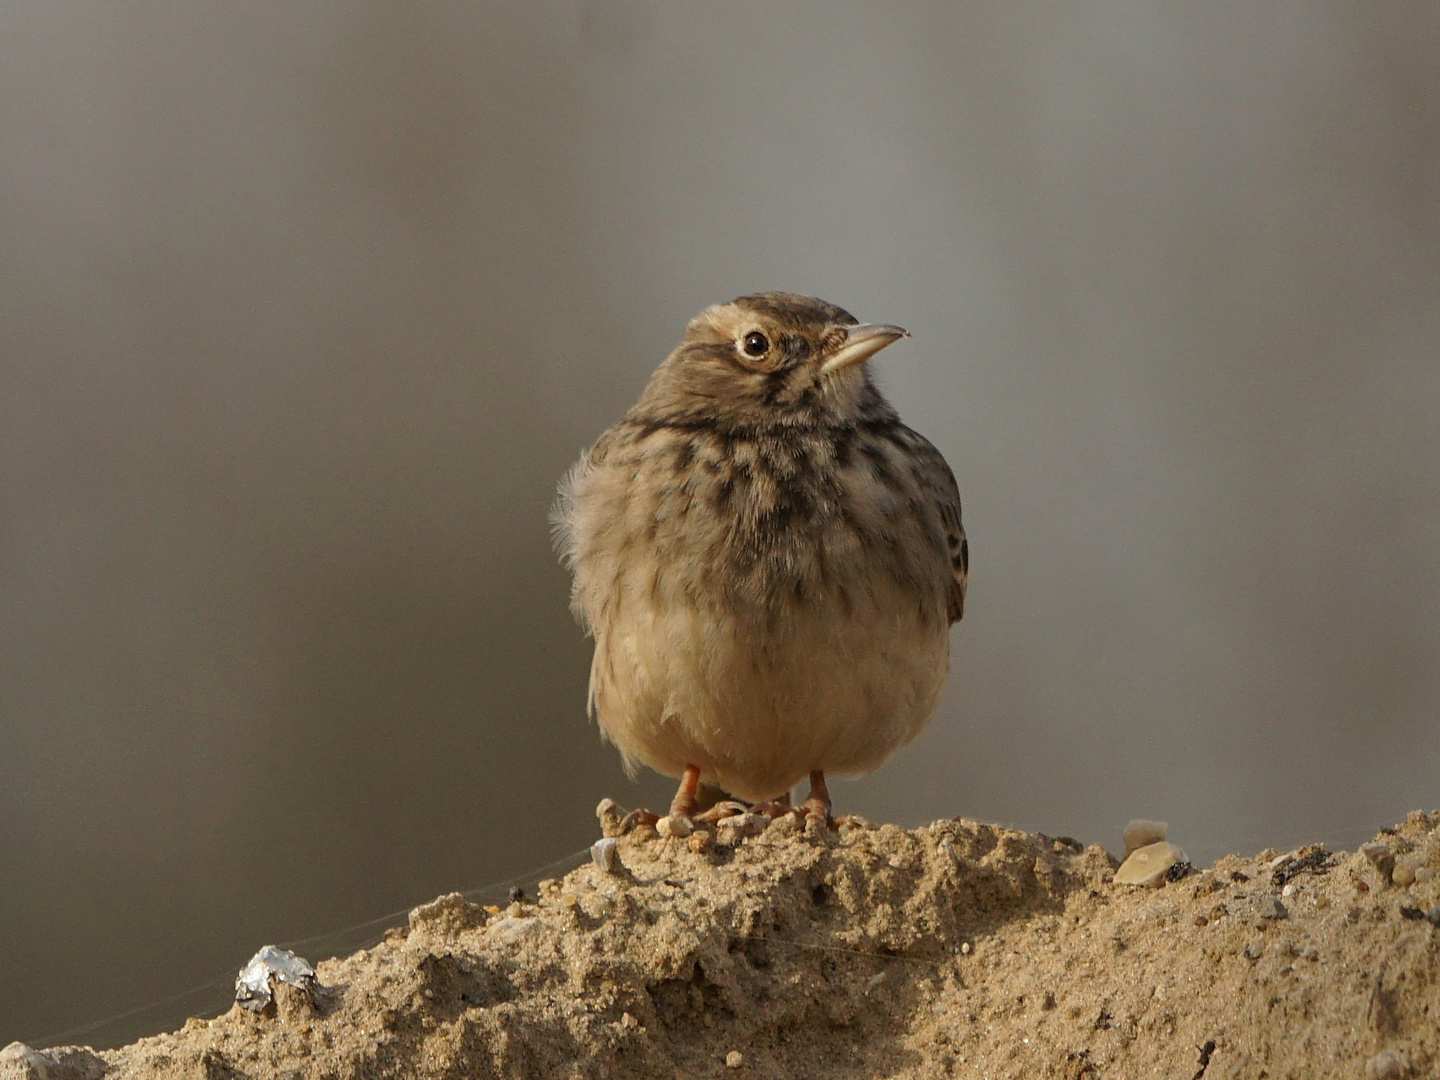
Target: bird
pixel 768 559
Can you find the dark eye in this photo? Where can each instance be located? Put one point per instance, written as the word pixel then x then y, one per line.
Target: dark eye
pixel 756 343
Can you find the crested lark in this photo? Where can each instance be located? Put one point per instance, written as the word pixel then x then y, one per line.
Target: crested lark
pixel 768 559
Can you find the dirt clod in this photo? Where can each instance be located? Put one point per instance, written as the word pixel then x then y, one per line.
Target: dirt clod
pixel 956 949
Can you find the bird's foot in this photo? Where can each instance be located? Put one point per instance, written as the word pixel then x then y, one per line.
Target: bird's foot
pixel 818 804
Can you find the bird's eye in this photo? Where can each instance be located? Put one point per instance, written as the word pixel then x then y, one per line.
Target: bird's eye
pixel 756 343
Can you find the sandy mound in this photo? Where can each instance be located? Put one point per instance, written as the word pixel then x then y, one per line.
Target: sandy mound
pixel 959 949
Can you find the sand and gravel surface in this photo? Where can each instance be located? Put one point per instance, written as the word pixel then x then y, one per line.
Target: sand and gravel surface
pixel 958 949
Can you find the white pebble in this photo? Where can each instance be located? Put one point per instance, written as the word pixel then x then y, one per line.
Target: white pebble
pixel 603 854
pixel 734 1059
pixel 1147 866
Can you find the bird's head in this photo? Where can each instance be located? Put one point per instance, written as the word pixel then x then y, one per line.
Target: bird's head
pixel 769 358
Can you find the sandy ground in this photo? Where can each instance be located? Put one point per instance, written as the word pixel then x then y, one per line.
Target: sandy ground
pixel 959 949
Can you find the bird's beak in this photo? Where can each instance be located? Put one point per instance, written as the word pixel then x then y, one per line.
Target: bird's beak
pixel 861 342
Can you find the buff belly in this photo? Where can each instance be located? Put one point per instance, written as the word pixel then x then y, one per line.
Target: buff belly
pixel 759 700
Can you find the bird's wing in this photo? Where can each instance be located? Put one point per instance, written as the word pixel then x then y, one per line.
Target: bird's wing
pixel 939 483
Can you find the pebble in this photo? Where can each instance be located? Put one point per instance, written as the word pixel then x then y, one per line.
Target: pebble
pixel 675 825
pixel 1403 874
pixel 966 948
pixel 604 855
pixel 1380 857
pixel 1141 833
pixel 734 1059
pixel 1271 908
pixel 700 842
pixel 1147 866
pixel 628 1021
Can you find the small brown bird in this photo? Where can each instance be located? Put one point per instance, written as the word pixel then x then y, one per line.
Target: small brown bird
pixel 768 559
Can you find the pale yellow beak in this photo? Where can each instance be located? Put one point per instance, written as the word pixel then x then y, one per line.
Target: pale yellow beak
pixel 861 342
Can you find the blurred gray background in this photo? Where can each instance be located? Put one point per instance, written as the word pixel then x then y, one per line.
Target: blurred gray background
pixel 304 308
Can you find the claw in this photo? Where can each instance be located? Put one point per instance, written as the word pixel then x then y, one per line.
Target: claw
pixel 722 809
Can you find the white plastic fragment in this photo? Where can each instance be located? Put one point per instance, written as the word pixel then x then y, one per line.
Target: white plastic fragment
pixel 252 988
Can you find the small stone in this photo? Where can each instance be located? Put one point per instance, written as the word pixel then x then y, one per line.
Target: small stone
pixel 604 855
pixel 1403 874
pixel 1271 908
pixel 1141 833
pixel 546 884
pixel 1288 890
pixel 1385 1065
pixel 1380 857
pixel 568 900
pixel 629 1022
pixel 676 825
pixel 1147 867
pixel 700 842
pixel 966 948
pixel 1201 920
pixel 1432 914
pixel 734 1059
